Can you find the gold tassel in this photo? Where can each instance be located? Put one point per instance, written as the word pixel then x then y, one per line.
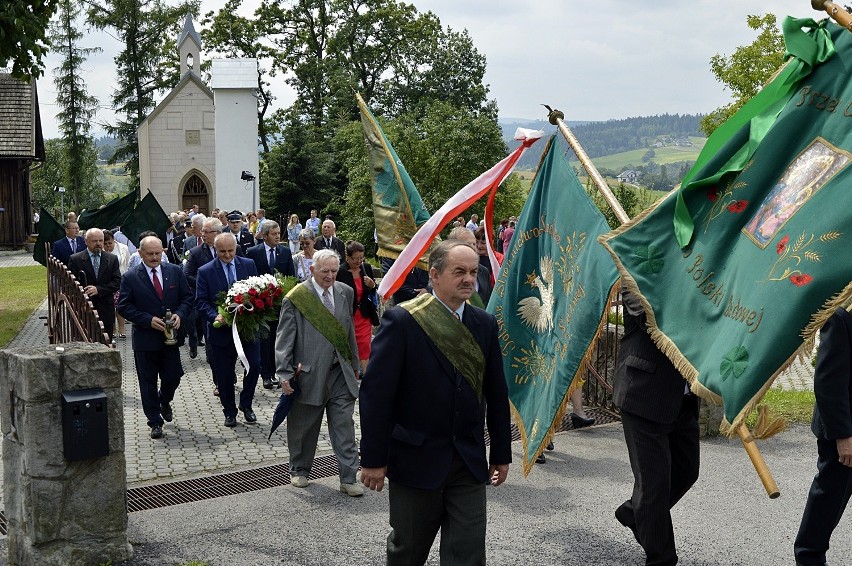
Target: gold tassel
pixel 766 426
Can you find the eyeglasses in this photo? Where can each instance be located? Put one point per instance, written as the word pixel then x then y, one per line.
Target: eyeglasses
pixel 210 231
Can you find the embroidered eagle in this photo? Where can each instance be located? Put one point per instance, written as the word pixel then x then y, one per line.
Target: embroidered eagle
pixel 534 312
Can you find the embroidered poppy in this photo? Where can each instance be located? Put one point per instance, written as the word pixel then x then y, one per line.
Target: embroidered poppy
pixel 737 206
pixel 712 194
pixel 801 280
pixel 782 245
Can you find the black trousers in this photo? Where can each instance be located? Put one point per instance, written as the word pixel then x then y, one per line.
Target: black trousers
pixel 665 460
pixel 827 500
pixel 164 364
pixel 457 509
pixel 224 360
pixel 267 352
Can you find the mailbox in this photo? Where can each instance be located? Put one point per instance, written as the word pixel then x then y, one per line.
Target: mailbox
pixel 85 426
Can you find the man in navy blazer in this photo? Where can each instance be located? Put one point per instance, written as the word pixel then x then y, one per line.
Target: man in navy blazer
pixel 832 426
pixel 269 257
pixel 213 278
pixel 147 292
pixel 422 422
pixel 63 248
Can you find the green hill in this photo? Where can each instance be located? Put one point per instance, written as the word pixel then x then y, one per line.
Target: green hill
pixel 662 156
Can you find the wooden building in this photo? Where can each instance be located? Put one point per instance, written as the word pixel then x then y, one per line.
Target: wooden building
pixel 21 143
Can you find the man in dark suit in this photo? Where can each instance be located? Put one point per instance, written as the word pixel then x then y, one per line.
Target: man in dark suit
pixel 98 272
pixel 245 239
pixel 213 278
pixel 416 282
pixel 269 257
pixel 435 369
pixel 63 248
pixel 329 241
pixel 148 291
pixel 832 426
pixel 660 419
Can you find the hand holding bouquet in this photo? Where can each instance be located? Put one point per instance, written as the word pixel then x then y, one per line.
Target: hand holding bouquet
pixel 252 303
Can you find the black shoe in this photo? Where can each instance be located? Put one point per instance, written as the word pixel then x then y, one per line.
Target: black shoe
pixel 541 459
pixel 550 446
pixel 193 352
pixel 249 415
pixel 623 516
pixel 166 411
pixel 157 431
pixel 267 383
pixel 275 382
pixel 230 422
pixel 201 343
pixel 580 422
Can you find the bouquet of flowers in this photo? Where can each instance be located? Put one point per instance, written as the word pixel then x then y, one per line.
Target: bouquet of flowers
pixel 252 303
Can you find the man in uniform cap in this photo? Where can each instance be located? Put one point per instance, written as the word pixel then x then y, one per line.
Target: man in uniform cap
pixel 244 238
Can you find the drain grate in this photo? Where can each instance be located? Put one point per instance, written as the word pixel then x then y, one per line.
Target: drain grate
pixel 220 485
pixel 232 483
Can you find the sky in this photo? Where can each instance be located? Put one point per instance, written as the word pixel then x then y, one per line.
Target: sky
pixel 600 60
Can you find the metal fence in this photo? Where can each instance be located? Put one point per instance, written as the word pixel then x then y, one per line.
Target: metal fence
pixel 71 316
pixel 600 368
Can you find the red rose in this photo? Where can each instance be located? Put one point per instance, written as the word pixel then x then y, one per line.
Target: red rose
pixel 712 194
pixel 737 206
pixel 269 302
pixel 801 280
pixel 258 304
pixel 782 244
pixel 238 299
pixel 252 292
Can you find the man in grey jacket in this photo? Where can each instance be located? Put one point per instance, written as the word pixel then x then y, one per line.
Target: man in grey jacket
pixel 316 331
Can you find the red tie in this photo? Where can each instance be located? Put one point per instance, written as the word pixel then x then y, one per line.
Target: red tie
pixel 157 287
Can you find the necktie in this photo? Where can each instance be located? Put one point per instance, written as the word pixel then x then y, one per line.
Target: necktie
pixel 231 275
pixel 73 246
pixel 157 287
pixel 96 263
pixel 271 259
pixel 326 300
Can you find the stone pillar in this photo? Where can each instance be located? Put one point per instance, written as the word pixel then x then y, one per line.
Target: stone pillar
pixel 61 512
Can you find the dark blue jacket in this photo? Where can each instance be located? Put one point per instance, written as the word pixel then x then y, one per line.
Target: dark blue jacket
pixel 209 283
pixel 61 249
pixel 283 260
pixel 138 303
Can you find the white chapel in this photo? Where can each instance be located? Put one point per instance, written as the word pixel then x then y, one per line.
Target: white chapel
pixel 196 144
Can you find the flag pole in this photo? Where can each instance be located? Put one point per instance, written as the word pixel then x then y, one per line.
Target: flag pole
pixel 759 463
pixel 837 13
pixel 557 117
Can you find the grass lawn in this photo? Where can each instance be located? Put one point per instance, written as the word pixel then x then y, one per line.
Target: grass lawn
pixel 792 406
pixel 22 289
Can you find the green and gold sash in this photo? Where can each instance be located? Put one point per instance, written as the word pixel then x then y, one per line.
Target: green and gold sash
pixel 308 303
pixel 452 338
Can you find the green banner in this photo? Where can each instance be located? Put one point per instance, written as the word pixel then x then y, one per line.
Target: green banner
pixel 770 257
pixel 397 207
pixel 550 298
pixel 149 215
pixel 49 230
pixel 113 214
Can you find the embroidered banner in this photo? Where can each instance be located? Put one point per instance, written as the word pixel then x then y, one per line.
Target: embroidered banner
pixel 550 298
pixel 770 256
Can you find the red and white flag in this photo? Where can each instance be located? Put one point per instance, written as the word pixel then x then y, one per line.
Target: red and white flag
pixel 473 191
